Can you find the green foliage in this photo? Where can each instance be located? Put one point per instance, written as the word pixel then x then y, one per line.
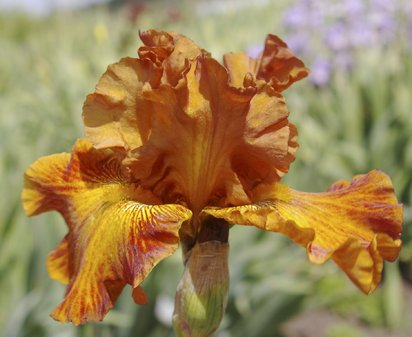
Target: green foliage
pixel 361 121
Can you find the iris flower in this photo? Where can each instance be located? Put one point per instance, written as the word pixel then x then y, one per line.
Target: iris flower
pixel 177 149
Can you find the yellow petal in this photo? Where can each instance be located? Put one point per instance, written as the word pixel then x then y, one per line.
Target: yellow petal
pixel 58 262
pixel 116 233
pixel 276 65
pixel 358 224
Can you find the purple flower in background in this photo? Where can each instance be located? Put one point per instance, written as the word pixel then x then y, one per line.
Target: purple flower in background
pixel 320 72
pixel 385 25
pixel 385 5
pixel 298 43
pixel 362 34
pixel 336 37
pixel 295 16
pixel 340 29
pixel 354 7
pixel 304 14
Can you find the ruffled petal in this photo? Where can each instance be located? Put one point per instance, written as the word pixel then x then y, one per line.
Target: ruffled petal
pixel 116 232
pixel 239 64
pixel 116 114
pixel 269 140
pixel 224 141
pixel 171 51
pixel 276 65
pixel 279 65
pixel 356 223
pixel 207 118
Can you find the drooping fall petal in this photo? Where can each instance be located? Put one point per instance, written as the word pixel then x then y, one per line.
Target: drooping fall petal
pixel 58 262
pixel 358 224
pixel 117 233
pixel 276 65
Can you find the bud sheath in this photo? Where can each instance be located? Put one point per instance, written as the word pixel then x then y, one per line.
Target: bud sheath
pixel 201 296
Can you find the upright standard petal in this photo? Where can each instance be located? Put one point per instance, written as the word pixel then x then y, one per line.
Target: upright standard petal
pixel 117 233
pixel 117 113
pixel 211 144
pixel 171 51
pixel 358 224
pixel 225 140
pixel 276 65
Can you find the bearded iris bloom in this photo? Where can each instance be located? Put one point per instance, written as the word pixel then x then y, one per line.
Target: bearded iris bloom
pixel 177 149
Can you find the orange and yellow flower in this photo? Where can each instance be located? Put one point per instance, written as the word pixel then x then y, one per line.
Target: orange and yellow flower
pixel 175 140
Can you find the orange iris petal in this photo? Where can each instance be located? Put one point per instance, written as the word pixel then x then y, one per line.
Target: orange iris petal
pixel 172 51
pixel 117 114
pixel 116 234
pixel 225 140
pixel 276 65
pixel 358 224
pixel 211 143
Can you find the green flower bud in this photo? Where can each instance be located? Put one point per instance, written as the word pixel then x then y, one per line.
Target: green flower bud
pixel 201 296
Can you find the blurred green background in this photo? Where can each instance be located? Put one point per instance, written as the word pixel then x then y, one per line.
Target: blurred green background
pixel 353 114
